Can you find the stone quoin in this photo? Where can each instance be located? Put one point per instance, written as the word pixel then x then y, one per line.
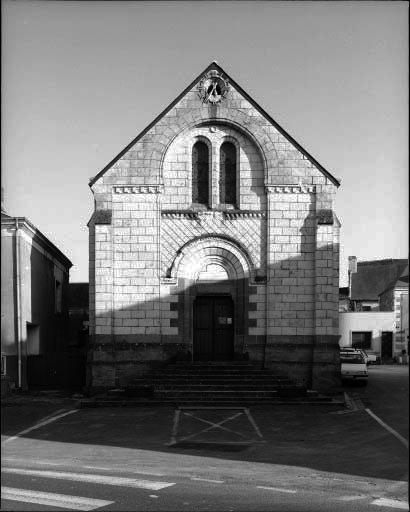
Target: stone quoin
pixel 213 239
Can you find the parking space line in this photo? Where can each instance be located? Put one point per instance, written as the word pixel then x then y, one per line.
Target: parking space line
pixel 45 421
pixel 253 423
pixel 388 428
pixel 213 425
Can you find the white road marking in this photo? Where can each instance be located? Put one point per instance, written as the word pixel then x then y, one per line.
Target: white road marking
pixel 124 470
pixel 51 499
pixel 253 423
pixel 153 496
pixel 43 463
pixel 213 425
pixel 351 498
pixel 95 479
pixel 388 428
pixel 101 468
pixel 386 502
pixel 44 421
pixel 207 480
pixel 175 427
pixel 278 489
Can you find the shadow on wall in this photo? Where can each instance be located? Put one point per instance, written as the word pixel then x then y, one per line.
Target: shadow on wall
pixel 300 313
pixel 50 361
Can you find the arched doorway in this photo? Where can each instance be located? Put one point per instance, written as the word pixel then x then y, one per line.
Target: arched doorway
pixel 212 275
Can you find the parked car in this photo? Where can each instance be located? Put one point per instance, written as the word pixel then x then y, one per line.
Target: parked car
pixel 368 357
pixel 353 366
pixel 372 358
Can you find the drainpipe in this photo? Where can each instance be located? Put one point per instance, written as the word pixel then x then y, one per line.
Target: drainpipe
pixel 18 303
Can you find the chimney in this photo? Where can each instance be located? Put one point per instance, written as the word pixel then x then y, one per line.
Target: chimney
pixel 352 264
pixel 352 269
pixel 3 210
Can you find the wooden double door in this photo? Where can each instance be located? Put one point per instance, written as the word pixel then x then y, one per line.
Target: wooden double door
pixel 213 328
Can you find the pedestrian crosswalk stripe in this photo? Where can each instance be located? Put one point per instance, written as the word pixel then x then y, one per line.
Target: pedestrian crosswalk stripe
pixel 95 479
pixel 51 499
pixel 387 502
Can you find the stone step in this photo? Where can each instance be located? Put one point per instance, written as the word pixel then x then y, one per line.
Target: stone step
pixel 216 363
pixel 222 373
pixel 214 381
pixel 299 401
pixel 222 387
pixel 217 394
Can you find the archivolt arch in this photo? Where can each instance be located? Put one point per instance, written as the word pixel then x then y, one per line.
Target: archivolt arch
pixel 233 118
pixel 196 254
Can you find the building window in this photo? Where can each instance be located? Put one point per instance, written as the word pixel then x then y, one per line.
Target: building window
pixel 362 339
pixel 200 173
pixel 227 175
pixel 58 296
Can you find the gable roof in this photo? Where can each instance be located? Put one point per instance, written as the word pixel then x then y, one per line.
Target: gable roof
pixel 401 282
pixel 374 277
pixel 215 66
pixel 22 222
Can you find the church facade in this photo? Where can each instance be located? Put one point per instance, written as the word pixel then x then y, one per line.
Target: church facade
pixel 214 239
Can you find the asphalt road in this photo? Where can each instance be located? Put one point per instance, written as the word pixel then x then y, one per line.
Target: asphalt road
pixel 387 395
pixel 306 457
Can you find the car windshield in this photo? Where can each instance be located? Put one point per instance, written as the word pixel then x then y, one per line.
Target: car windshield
pixel 351 358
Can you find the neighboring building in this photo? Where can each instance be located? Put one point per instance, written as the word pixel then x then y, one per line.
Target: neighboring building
pixel 78 302
pixel 371 279
pixel 371 331
pixel 214 238
pixel 34 286
pixel 376 315
pixel 396 298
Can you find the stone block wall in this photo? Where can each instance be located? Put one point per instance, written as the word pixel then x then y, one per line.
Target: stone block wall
pixel 282 224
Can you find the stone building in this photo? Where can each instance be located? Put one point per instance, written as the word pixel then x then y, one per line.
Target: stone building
pixel 213 239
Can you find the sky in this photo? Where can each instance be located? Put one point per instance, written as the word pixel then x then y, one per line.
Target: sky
pixel 81 79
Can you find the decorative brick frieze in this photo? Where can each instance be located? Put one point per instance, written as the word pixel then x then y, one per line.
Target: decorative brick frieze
pixel 179 214
pixel 290 189
pixel 143 189
pixel 212 214
pixel 244 214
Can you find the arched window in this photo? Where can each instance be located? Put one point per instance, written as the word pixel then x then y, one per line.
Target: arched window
pixel 200 173
pixel 227 179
